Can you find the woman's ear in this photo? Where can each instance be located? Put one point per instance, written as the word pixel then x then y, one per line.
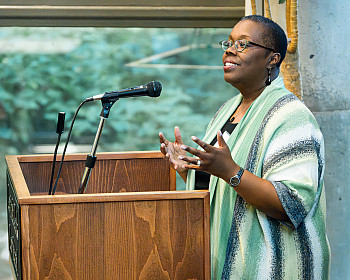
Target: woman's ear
pixel 274 59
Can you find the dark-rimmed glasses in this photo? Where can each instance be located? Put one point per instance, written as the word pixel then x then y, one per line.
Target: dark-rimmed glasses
pixel 240 45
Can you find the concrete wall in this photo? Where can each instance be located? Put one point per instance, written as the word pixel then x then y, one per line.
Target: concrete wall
pixel 324 52
pixel 324 49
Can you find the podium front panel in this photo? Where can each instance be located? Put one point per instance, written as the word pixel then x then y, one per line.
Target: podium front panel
pixel 112 232
pixel 113 172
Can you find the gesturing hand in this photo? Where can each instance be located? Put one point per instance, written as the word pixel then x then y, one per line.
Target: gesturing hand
pixel 172 150
pixel 216 161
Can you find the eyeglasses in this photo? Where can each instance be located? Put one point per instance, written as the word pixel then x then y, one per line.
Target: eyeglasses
pixel 240 45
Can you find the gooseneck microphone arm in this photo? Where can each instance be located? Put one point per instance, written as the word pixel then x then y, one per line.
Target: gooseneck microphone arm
pixel 91 158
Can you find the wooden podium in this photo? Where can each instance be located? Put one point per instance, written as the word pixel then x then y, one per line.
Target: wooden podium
pixel 130 224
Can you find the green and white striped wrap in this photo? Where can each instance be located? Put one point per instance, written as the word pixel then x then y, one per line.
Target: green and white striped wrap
pixel 279 140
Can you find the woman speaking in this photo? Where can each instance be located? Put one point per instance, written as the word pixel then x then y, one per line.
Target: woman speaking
pixel 262 159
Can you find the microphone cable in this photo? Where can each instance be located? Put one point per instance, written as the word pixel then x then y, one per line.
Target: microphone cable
pixel 65 146
pixel 59 131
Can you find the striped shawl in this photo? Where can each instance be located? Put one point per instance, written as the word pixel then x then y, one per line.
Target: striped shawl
pixel 279 140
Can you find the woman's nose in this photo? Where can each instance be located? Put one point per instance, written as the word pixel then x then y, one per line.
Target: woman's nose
pixel 231 50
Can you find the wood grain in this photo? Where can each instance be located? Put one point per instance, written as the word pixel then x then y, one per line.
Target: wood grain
pixel 134 240
pixel 132 224
pixel 125 172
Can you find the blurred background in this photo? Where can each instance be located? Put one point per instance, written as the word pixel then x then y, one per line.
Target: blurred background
pixel 45 71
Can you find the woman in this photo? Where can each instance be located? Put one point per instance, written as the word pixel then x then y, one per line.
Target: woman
pixel 263 154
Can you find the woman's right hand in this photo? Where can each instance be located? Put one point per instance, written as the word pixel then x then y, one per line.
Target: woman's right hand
pixel 172 151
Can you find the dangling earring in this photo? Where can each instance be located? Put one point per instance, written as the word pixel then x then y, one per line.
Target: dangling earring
pixel 268 81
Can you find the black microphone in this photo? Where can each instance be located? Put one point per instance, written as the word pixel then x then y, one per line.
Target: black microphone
pixel 151 89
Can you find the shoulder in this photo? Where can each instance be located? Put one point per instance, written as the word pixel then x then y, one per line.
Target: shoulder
pixel 290 124
pixel 290 112
pixel 288 107
pixel 292 131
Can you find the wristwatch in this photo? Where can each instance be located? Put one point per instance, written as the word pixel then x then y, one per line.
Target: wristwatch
pixel 235 180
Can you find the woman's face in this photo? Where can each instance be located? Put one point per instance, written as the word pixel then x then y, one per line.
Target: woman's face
pixel 247 69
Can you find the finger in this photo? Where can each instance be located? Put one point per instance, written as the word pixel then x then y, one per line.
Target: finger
pixel 191 166
pixel 163 149
pixel 221 140
pixel 192 151
pixel 162 138
pixel 189 159
pixel 177 133
pixel 206 147
pixel 173 162
pixel 169 159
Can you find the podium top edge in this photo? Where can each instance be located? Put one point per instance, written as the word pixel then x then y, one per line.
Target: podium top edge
pixel 82 156
pixel 113 197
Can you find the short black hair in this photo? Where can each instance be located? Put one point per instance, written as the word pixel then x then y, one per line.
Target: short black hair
pixel 273 37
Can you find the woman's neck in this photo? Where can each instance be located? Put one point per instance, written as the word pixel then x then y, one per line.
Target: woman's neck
pixel 251 93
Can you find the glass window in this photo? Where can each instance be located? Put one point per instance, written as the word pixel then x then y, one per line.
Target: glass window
pixel 45 71
pixel 48 70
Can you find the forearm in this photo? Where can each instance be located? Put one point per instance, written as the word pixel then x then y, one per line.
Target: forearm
pixel 259 193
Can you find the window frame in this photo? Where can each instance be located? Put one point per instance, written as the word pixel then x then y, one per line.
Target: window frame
pixel 113 13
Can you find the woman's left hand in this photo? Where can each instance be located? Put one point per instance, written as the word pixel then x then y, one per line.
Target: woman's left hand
pixel 216 161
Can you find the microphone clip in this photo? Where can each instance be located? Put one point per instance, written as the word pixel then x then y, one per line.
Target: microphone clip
pixel 108 97
pixel 106 107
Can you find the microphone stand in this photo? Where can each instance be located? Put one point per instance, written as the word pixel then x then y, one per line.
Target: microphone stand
pixel 91 158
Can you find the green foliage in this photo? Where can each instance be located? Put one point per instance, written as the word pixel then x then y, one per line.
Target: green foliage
pixel 281 1
pixel 34 87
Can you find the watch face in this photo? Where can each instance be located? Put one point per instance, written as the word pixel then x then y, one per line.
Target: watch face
pixel 235 181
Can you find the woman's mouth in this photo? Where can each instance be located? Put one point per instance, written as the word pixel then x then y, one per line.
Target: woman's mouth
pixel 229 65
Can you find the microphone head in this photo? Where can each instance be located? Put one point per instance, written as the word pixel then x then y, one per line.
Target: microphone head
pixel 60 122
pixel 154 88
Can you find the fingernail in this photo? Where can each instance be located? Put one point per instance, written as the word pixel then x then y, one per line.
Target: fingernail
pixel 181 157
pixel 194 138
pixel 183 147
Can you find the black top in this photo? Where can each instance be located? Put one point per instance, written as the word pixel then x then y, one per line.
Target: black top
pixel 202 178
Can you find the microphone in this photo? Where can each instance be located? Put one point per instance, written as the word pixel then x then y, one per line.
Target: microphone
pixel 151 89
